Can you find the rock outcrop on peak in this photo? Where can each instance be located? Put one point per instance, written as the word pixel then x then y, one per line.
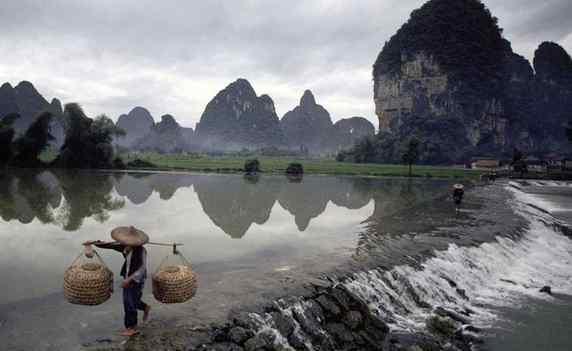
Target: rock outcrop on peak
pixel 136 124
pixel 309 126
pixel 27 102
pixel 552 96
pixel 237 118
pixel 348 131
pixel 450 78
pixel 166 136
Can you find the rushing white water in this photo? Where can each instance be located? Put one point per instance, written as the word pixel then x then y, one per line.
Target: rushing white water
pixel 470 283
pixel 499 273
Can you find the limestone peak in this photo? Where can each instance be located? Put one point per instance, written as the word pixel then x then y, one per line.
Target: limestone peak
pixel 308 99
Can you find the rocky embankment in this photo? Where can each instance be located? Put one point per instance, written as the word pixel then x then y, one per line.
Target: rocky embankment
pixel 332 318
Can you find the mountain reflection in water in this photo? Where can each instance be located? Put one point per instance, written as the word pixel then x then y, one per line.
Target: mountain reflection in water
pixel 233 203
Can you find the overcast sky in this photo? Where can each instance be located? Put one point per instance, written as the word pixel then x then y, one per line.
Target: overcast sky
pixel 174 56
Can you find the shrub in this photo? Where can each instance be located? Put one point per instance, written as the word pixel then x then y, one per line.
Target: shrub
pixel 138 163
pixel 252 166
pixel 295 168
pixel 118 163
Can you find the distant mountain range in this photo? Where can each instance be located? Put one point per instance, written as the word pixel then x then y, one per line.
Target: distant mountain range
pixel 235 119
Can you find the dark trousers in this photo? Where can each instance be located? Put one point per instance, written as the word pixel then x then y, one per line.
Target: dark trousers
pixel 132 302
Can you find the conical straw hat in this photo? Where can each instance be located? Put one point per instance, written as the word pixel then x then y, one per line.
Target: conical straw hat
pixel 459 186
pixel 129 236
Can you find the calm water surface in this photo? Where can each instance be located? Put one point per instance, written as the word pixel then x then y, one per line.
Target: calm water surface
pixel 248 238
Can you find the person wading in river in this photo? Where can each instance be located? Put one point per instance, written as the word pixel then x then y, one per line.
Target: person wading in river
pixel 129 241
pixel 458 193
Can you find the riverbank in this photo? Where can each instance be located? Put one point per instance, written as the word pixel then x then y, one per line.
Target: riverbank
pixel 414 286
pixel 278 165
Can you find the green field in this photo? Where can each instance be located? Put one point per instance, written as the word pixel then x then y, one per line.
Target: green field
pixel 279 164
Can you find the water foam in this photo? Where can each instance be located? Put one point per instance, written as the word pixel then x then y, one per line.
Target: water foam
pixel 474 279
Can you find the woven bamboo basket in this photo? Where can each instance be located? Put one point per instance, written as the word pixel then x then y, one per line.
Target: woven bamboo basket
pixel 88 283
pixel 175 283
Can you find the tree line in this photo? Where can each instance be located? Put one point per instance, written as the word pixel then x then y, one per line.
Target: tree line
pixel 87 142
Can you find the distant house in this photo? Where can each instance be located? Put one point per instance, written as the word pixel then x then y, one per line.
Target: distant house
pixel 535 164
pixel 485 163
pixel 566 164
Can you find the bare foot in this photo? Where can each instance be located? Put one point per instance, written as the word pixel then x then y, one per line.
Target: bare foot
pixel 129 332
pixel 146 313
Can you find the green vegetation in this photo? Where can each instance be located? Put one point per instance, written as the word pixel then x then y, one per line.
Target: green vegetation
pixel 295 168
pixel 140 164
pixel 6 137
pixel 30 145
pixel 280 164
pixel 462 36
pixel 252 166
pixel 411 154
pixel 88 142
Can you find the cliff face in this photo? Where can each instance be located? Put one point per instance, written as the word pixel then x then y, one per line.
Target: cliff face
pixel 136 124
pixel 552 94
pixel 348 131
pixel 448 77
pixel 309 126
pixel 237 118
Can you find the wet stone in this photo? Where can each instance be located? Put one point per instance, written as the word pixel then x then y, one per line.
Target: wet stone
pixel 309 322
pixel 254 344
pixel 226 346
pixel 453 315
pixel 329 306
pixel 441 326
pixel 284 323
pixel 353 319
pixel 245 320
pixel 239 335
pixel 463 294
pixel 342 297
pixel 340 332
pixel 401 341
pixel 298 340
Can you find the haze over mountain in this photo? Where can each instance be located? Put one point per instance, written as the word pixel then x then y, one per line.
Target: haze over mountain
pixel 137 124
pixel 87 53
pixel 27 102
pixel 236 117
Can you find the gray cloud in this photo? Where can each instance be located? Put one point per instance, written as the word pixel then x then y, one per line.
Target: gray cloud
pixel 174 56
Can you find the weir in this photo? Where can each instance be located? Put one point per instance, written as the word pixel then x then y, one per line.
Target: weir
pixel 446 301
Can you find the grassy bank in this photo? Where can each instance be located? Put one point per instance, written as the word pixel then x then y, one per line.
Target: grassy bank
pixel 311 166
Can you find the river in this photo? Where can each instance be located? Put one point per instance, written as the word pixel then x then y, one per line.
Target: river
pixel 395 243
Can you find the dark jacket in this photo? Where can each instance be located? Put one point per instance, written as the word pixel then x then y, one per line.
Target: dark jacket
pixel 136 256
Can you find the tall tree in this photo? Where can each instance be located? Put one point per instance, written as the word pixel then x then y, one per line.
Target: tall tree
pixel 6 137
pixel 88 142
pixel 34 141
pixel 411 154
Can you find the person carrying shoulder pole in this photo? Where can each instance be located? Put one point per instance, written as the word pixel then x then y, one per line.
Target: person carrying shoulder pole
pixel 458 193
pixel 129 241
